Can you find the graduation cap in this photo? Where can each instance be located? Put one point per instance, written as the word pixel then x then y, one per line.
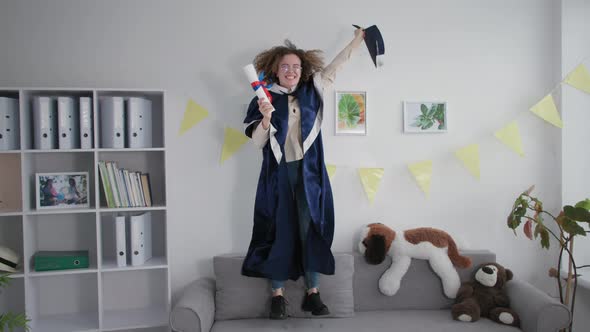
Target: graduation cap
pixel 374 42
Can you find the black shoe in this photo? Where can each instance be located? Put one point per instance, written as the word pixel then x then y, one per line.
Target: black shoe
pixel 313 303
pixel 278 307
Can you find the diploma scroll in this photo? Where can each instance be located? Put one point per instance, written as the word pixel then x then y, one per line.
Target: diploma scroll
pixel 259 89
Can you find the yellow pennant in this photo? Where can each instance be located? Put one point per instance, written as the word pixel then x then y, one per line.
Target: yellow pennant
pixel 547 111
pixel 234 139
pixel 331 171
pixel 371 178
pixel 510 136
pixel 193 114
pixel 579 78
pixel 422 172
pixel 469 155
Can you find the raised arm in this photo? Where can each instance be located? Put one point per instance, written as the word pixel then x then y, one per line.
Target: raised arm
pixel 329 73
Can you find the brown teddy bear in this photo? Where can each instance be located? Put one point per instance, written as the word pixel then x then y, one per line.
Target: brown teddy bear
pixel 485 296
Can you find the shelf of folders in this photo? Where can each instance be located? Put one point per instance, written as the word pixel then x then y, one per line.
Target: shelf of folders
pixel 124 188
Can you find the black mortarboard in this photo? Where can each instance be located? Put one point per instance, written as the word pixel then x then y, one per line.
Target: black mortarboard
pixel 374 42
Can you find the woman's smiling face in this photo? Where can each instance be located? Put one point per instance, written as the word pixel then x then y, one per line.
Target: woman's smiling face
pixel 289 71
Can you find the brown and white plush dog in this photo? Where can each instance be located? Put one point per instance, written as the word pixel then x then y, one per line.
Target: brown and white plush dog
pixel 434 245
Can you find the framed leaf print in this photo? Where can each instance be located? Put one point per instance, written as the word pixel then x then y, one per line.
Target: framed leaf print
pixel 425 117
pixel 351 113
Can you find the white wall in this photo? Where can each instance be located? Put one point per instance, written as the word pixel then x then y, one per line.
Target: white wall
pixel 490 60
pixel 575 49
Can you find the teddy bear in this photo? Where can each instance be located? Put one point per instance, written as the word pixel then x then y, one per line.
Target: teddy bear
pixel 485 296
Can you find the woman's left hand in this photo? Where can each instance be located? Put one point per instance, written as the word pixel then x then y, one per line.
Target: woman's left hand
pixel 359 32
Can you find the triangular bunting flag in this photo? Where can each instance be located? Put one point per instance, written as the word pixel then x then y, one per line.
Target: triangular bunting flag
pixel 371 178
pixel 469 155
pixel 331 171
pixel 579 78
pixel 422 172
pixel 510 136
pixel 234 139
pixel 193 114
pixel 547 111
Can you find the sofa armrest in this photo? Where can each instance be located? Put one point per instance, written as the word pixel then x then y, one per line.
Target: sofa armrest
pixel 195 309
pixel 538 311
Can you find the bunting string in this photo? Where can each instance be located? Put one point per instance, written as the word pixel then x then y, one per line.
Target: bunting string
pixel 468 155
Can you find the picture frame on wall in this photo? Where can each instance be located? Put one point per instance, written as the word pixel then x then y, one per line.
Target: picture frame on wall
pixel 62 190
pixel 425 117
pixel 351 113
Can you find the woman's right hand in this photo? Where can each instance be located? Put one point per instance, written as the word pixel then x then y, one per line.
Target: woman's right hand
pixel 266 110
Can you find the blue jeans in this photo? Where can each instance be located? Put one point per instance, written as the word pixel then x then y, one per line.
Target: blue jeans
pixel 304 218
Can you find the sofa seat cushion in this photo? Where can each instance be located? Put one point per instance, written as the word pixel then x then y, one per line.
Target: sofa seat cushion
pixel 238 296
pixel 374 321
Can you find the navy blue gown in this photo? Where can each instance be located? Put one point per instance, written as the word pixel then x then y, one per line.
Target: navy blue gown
pixel 275 248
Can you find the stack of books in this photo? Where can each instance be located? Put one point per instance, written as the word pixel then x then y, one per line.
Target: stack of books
pixel 124 188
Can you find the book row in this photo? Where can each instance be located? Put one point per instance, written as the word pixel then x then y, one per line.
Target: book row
pixel 124 188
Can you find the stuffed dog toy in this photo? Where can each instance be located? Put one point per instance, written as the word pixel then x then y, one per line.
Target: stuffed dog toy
pixel 434 245
pixel 485 296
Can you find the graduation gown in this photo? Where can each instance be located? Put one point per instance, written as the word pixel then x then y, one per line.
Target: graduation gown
pixel 275 248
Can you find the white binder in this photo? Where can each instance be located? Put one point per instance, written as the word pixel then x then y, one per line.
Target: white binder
pixel 9 126
pixel 86 133
pixel 140 238
pixel 67 123
pixel 120 241
pixel 44 123
pixel 112 122
pixel 139 122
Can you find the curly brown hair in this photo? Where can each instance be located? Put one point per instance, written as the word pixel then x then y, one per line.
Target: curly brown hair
pixel 268 61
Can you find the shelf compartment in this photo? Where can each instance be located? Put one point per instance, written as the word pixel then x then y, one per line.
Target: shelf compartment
pixel 10 183
pixel 11 236
pixel 157 99
pixel 109 249
pixel 135 299
pixel 56 232
pixel 64 303
pixel 10 126
pixel 151 162
pixel 27 107
pixel 117 320
pixel 56 162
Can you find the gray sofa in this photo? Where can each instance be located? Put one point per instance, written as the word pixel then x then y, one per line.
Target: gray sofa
pixel 232 302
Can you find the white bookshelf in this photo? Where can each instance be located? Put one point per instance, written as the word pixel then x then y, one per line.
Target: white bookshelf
pixel 103 297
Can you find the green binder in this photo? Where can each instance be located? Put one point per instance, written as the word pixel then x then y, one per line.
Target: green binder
pixel 60 260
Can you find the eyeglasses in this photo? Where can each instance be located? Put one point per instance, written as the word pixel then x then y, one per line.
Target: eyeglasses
pixel 285 68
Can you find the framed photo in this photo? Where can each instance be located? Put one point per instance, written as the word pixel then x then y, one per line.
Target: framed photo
pixel 62 190
pixel 351 113
pixel 425 117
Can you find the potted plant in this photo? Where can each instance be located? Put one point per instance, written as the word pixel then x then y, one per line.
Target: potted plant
pixel 571 222
pixel 10 321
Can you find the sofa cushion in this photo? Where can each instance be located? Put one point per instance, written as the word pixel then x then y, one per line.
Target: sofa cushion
pixel 238 296
pixel 420 288
pixel 374 321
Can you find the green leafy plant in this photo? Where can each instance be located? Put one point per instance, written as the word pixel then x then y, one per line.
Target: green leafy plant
pixel 349 110
pixel 10 321
pixel 430 116
pixel 571 222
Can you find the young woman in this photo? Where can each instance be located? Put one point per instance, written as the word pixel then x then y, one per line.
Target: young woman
pixel 294 211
